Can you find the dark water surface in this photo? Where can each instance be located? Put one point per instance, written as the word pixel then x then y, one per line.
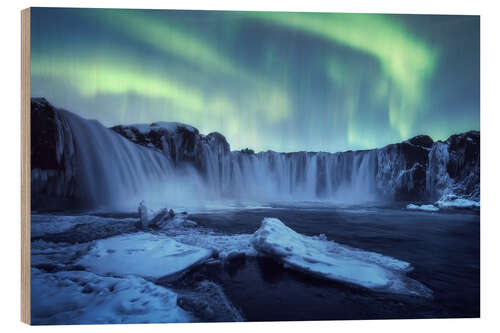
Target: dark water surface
pixel 443 248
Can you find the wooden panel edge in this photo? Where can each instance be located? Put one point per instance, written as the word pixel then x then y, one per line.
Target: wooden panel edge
pixel 25 167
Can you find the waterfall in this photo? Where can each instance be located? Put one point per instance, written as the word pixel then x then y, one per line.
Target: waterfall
pixel 110 171
pixel 437 178
pixel 302 176
pixel 81 164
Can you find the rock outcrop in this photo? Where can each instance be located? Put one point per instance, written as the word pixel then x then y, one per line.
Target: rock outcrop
pixel 181 143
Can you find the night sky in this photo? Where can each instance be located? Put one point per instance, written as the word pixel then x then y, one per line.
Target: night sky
pixel 265 80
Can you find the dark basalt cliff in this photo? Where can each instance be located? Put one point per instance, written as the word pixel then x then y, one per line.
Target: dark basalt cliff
pixel 464 163
pixel 52 160
pixel 181 143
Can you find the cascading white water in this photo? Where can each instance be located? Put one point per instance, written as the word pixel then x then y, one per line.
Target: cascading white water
pixel 110 171
pixel 437 178
pixel 301 176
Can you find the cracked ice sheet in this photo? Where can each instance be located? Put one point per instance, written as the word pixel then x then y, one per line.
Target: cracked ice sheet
pixel 142 254
pixel 329 260
pixel 223 244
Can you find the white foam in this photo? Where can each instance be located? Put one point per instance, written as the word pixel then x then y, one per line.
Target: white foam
pixel 330 260
pixel 142 254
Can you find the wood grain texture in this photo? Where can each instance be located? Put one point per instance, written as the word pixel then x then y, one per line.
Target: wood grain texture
pixel 25 168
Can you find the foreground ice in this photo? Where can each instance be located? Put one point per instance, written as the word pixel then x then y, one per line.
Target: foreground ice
pixel 330 260
pixel 44 224
pixel 224 245
pixel 428 208
pixel 79 297
pixel 208 302
pixel 453 201
pixel 57 255
pixel 142 254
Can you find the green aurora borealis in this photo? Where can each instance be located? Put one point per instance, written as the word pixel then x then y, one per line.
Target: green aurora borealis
pixel 265 80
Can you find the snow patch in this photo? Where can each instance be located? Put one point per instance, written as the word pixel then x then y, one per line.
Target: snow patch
pixel 79 297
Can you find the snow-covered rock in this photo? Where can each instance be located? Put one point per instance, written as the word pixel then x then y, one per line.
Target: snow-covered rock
pixel 453 201
pixel 428 208
pixel 454 167
pixel 143 254
pixel 330 260
pixel 401 168
pixel 175 220
pixel 79 297
pixel 180 142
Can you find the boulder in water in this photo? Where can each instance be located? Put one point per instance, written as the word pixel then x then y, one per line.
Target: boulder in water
pixel 159 219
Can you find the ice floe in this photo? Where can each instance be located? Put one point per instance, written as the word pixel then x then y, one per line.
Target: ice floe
pixel 330 260
pixel 79 297
pixel 142 254
pixel 428 208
